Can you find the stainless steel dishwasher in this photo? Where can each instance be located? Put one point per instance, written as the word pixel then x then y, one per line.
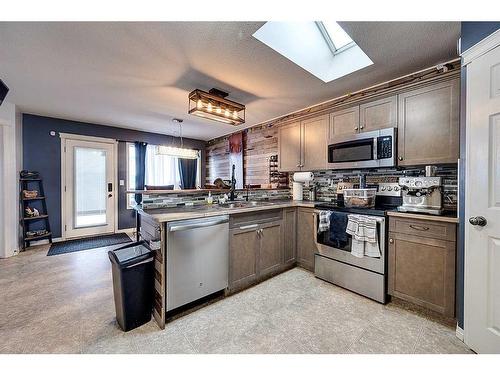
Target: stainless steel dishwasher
pixel 197 259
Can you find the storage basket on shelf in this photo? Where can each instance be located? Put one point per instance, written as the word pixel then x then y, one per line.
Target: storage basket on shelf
pixel 359 197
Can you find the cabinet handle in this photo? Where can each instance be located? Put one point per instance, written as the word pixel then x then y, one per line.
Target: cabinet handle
pixel 391 240
pixel 249 226
pixel 361 127
pixel 356 128
pixel 400 158
pixel 418 227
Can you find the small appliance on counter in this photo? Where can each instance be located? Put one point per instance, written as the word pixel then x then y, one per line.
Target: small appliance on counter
pixel 299 180
pixel 422 194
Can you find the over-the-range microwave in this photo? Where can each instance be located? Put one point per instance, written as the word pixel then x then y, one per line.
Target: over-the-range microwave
pixel 363 150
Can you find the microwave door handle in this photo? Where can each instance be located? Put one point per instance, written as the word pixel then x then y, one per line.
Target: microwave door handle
pixel 375 148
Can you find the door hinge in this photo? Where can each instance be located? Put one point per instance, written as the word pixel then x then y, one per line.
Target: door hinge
pixel 64 188
pixel 65 227
pixel 64 148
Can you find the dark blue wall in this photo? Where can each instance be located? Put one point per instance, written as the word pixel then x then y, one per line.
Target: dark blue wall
pixel 42 153
pixel 473 32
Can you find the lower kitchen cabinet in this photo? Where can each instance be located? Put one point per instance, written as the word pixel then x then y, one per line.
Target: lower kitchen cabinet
pixel 290 235
pixel 243 250
pixel 421 266
pixel 306 244
pixel 270 249
pixel 255 251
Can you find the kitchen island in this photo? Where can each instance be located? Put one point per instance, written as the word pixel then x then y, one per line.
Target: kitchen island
pixel 264 238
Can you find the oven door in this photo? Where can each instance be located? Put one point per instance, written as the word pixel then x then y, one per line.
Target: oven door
pixel 327 249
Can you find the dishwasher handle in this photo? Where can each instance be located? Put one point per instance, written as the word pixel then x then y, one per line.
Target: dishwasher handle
pixel 180 227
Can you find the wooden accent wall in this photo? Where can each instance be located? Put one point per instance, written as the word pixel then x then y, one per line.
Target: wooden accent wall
pixel 258 145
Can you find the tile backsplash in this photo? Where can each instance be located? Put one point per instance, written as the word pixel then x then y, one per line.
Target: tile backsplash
pixel 326 181
pixel 197 198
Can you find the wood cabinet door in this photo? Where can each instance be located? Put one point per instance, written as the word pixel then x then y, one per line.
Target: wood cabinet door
pixel 422 271
pixel 343 122
pixel 379 114
pixel 428 124
pixel 306 244
pixel 244 245
pixel 289 140
pixel 290 235
pixel 271 248
pixel 314 143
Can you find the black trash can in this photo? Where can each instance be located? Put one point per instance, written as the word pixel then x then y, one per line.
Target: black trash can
pixel 133 284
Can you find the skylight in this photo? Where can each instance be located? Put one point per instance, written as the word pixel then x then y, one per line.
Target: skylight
pixel 323 48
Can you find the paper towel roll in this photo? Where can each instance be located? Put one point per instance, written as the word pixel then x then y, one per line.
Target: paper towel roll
pixel 297 191
pixel 303 176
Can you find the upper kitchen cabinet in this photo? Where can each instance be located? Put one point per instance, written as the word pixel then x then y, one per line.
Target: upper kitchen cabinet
pixel 289 141
pixel 379 114
pixel 344 122
pixel 303 145
pixel 428 125
pixel 314 143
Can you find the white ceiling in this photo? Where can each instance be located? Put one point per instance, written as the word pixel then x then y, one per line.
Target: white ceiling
pixel 138 75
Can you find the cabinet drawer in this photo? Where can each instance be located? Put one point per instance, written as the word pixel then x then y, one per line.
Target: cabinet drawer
pixel 255 217
pixel 423 228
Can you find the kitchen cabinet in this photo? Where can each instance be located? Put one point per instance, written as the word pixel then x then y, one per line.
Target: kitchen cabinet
pixel 255 248
pixel 344 122
pixel 302 146
pixel 290 235
pixel 306 241
pixel 428 124
pixel 270 249
pixel 374 115
pixel 422 263
pixel 289 143
pixel 314 143
pixel 378 114
pixel 244 245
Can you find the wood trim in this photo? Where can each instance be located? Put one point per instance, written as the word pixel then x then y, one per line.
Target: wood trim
pixel 480 48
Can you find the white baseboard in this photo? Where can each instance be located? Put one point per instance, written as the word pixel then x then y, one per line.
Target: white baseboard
pixel 459 332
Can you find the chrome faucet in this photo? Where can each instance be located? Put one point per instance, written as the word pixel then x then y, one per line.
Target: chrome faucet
pixel 233 185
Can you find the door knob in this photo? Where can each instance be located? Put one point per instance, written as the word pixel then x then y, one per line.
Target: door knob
pixel 400 158
pixel 478 220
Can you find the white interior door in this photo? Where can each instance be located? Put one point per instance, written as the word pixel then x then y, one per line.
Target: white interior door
pixel 482 247
pixel 89 191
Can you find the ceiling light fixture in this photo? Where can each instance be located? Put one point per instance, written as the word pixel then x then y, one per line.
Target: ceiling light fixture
pixel 213 105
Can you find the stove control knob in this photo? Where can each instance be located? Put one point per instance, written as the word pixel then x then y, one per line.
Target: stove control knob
pixel 382 188
pixel 389 188
pixel 396 188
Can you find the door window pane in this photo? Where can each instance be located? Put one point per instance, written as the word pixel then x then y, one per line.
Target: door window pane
pixel 90 187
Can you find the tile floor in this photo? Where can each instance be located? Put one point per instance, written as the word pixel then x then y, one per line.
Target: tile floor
pixel 64 304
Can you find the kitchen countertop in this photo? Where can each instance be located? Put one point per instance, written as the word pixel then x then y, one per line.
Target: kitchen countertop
pixel 409 215
pixel 162 215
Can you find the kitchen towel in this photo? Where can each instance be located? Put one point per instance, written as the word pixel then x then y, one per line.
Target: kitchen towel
pixel 324 221
pixel 338 224
pixel 363 230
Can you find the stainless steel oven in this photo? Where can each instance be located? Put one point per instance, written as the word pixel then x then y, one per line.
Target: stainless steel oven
pixel 363 150
pixel 366 276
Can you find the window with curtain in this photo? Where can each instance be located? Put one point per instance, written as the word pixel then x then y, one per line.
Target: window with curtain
pixel 162 167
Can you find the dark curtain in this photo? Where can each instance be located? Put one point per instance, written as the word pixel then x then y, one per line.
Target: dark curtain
pixel 140 168
pixel 187 171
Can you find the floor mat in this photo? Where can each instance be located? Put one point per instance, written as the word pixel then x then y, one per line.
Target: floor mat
pixel 71 246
